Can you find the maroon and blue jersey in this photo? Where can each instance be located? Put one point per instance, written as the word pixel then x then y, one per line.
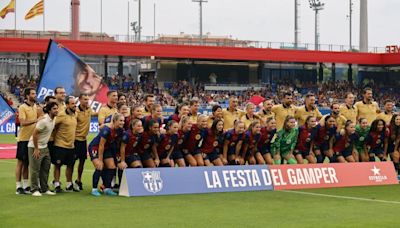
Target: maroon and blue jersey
pixel 251 140
pixel 264 144
pixel 165 142
pixel 212 142
pixel 376 139
pixel 174 117
pixel 233 138
pixel 324 134
pixel 132 142
pixel 146 143
pixel 344 143
pixel 305 138
pixel 112 137
pixel 182 137
pixel 146 120
pixel 195 139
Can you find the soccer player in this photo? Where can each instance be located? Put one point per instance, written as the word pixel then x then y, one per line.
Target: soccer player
pixel 216 115
pixel 335 113
pixel 343 144
pixel 195 140
pixel 109 109
pixel 377 140
pixel 136 113
pixel 123 109
pixel 194 110
pixel 284 142
pixel 213 144
pixel 348 110
pixel 325 134
pixel 183 139
pixel 231 113
pixel 102 151
pixel 83 116
pixel 156 115
pixel 39 156
pixel 362 130
pixel 147 146
pixel 60 95
pixel 251 139
pixel 264 145
pixel 266 111
pixel 394 141
pixel 28 119
pixel 305 141
pixel 149 101
pixel 182 110
pixel 233 144
pixel 129 153
pixel 308 109
pixel 388 113
pixel 250 115
pixel 166 143
pixel 283 110
pixel 64 138
pixel 367 108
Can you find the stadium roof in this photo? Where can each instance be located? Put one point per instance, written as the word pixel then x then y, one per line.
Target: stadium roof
pixel 163 51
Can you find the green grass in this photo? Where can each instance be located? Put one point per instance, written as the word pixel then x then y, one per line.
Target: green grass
pixel 241 209
pixel 10 138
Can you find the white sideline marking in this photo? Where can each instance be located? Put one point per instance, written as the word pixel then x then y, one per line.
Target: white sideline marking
pixel 342 197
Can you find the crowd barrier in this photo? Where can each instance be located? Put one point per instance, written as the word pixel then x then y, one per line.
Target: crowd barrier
pixel 189 180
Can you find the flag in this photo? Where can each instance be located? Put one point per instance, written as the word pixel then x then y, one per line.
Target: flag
pixel 37 9
pixel 6 112
pixel 10 8
pixel 64 68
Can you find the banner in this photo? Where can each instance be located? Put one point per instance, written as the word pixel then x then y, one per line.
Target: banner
pixel 64 68
pixel 168 181
pixel 6 112
pixel 333 175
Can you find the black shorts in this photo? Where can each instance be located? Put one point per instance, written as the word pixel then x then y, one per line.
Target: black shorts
pixel 211 156
pixel 63 156
pixel 264 150
pixel 163 155
pixel 22 152
pixel 145 156
pixel 345 153
pixel 177 154
pixel 132 158
pixel 304 154
pixel 93 153
pixel 80 150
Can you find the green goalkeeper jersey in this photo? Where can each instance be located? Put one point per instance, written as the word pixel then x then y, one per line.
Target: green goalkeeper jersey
pixel 284 142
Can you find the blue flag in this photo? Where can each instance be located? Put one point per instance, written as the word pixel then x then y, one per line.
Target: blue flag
pixel 6 112
pixel 63 68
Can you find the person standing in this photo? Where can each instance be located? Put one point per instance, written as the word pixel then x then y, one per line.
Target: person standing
pixel 63 153
pixel 348 110
pixel 388 113
pixel 39 155
pixel 309 109
pixel 367 108
pixel 83 116
pixel 231 114
pixel 28 119
pixel 109 109
pixel 283 110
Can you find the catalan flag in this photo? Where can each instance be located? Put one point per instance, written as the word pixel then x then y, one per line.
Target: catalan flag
pixel 10 8
pixel 37 9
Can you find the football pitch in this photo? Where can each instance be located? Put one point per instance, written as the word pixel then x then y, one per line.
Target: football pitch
pixel 339 207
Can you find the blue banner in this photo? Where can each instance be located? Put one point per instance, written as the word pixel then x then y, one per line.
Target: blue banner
pixel 6 112
pixel 167 181
pixel 63 68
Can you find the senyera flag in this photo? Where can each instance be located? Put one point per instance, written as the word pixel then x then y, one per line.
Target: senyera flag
pixel 63 68
pixel 6 112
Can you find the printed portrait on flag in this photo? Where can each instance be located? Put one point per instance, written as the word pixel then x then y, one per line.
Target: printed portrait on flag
pixel 64 68
pixel 6 112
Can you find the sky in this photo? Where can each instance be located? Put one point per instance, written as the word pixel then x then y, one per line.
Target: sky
pixel 258 20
